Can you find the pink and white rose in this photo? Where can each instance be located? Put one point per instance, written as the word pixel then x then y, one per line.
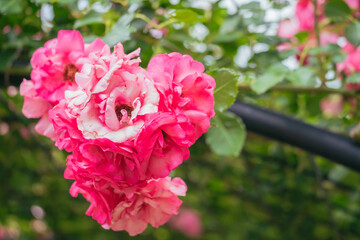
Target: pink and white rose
pixel 113 99
pixel 54 67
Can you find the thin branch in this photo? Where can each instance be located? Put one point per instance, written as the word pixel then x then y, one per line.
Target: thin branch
pixel 151 22
pixel 318 40
pixel 295 89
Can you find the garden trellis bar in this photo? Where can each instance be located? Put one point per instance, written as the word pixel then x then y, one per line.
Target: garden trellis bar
pixel 335 147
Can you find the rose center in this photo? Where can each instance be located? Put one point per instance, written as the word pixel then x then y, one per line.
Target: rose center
pixel 69 72
pixel 119 112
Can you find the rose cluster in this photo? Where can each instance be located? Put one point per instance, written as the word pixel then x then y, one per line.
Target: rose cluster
pixel 126 127
pixel 304 22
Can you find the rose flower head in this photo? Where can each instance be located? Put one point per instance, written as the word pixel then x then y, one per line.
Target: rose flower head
pixel 54 68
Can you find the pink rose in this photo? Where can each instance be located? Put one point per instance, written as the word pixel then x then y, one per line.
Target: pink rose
pixel 54 68
pixel 112 102
pixel 288 28
pixel 55 64
pixel 354 4
pixel 119 98
pixel 131 207
pixel 305 13
pixel 185 108
pixel 328 38
pixel 150 155
pixel 351 63
pixel 332 105
pixel 304 22
pixel 105 160
pixel 188 222
pixel 34 105
pixel 63 121
pixel 184 89
pixel 154 203
pixel 163 143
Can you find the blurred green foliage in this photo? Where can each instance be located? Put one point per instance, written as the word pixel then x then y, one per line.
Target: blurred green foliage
pixel 270 191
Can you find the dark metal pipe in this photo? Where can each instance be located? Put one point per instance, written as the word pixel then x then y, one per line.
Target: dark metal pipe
pixel 335 147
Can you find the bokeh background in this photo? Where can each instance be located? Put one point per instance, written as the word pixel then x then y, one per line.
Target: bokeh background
pixel 268 191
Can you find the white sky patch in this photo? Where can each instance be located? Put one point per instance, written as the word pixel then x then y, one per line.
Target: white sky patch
pixel 178 25
pixel 100 8
pixel 291 63
pixel 330 75
pixel 272 29
pixel 199 31
pixel 341 41
pixel 288 11
pixel 198 47
pixel 156 33
pixel 272 15
pixel 202 4
pixel 257 28
pixel 230 5
pixel 260 47
pixel 47 16
pixel 133 7
pixel 209 60
pixel 82 4
pixel 334 84
pixel 243 56
pixel 174 2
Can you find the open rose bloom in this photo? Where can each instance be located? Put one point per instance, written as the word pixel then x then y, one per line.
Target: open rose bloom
pixel 126 127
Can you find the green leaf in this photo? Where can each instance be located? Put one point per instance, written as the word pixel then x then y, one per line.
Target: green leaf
pixel 120 32
pixel 230 25
pixel 90 18
pixel 228 37
pixel 184 15
pixel 12 6
pixel 352 33
pixel 329 49
pixel 226 88
pixel 338 58
pixel 288 53
pixel 302 36
pixel 353 78
pixel 317 50
pixel 227 135
pixel 272 76
pixel 337 10
pixel 251 5
pixel 303 76
pixel 338 173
